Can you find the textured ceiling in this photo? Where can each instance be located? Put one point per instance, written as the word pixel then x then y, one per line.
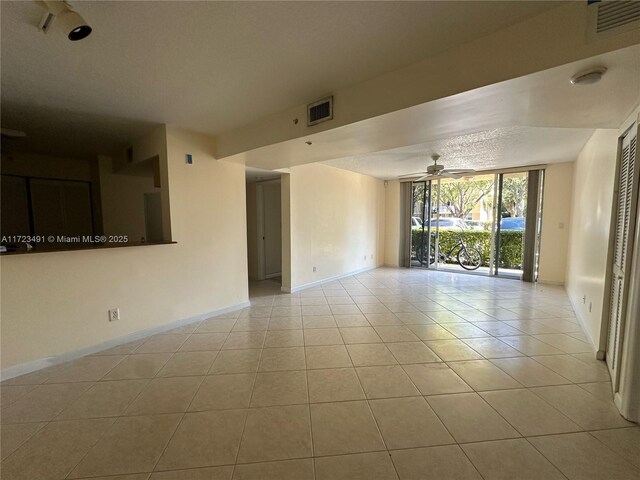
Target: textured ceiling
pixel 484 150
pixel 213 66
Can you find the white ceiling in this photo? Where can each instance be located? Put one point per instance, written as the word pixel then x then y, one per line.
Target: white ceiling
pixel 484 150
pixel 212 66
pixel 256 174
pixel 537 118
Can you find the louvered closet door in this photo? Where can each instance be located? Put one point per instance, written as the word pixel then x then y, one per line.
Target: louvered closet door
pixel 625 224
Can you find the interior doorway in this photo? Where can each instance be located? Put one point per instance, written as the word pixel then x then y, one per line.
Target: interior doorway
pixel 264 228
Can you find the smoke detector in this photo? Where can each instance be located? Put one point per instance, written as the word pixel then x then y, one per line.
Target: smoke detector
pixel 588 77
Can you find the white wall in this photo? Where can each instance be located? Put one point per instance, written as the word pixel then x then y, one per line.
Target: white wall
pixel 556 216
pixel 594 180
pixel 337 218
pixel 123 201
pixel 54 303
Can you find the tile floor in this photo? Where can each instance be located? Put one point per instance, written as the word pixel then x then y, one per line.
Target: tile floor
pixel 391 374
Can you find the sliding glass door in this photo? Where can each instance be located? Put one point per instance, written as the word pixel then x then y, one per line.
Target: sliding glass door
pixel 486 224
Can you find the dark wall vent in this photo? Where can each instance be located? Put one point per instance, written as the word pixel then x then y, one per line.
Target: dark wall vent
pixel 611 17
pixel 320 111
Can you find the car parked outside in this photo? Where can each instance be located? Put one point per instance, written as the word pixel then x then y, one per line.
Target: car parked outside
pixel 512 223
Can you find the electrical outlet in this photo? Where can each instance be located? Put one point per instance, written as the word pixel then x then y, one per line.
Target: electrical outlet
pixel 114 314
pixel 314 269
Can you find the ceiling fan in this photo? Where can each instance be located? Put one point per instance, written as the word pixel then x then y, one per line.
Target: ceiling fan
pixel 436 171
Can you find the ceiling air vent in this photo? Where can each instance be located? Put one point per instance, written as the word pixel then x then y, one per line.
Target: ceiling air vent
pixel 320 111
pixel 612 17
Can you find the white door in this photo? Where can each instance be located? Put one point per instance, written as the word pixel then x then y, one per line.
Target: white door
pixel 624 229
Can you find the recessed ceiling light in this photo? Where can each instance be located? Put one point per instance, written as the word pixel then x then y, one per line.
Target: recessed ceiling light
pixel 588 77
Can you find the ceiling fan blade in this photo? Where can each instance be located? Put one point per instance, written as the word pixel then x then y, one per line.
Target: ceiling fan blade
pixel 460 170
pixel 426 177
pixel 412 174
pixel 448 174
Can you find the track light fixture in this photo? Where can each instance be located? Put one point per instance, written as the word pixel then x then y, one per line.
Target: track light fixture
pixel 70 21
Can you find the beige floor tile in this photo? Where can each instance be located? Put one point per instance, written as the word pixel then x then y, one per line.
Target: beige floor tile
pixel 510 459
pixel 531 327
pixel 131 445
pixel 382 319
pixel 361 466
pixel 328 356
pixel 219 392
pixel 529 345
pixel 306 301
pixel 371 354
pixel 54 450
pixel 104 399
pixel 414 318
pixel 344 427
pixel 275 359
pixel 465 330
pixel 276 433
pixel 43 403
pixel 436 379
pixel 573 369
pixel 470 419
pixel 360 335
pixel 602 390
pixel 236 361
pixel 529 372
pixel 344 309
pixel 385 382
pixel 492 348
pixel 313 310
pixel 434 463
pixel 497 328
pixel 12 436
pixel 351 320
pixel 280 388
pixel 207 473
pixel 528 413
pixel 322 336
pixel 183 364
pixel 124 349
pixel 204 341
pixel 284 338
pixel 11 393
pixel 445 317
pixel 453 350
pixel 588 411
pixel 164 343
pixel 138 366
pixel 431 332
pixel 579 456
pixel 285 323
pixel 396 333
pixel 564 342
pixel 334 385
pixel 623 441
pixel 165 395
pixel 251 324
pixel 86 369
pixel 286 311
pixel 283 470
pixel 186 328
pixel 135 476
pixel 216 325
pixel 483 375
pixel 412 352
pixel 409 422
pixel 318 321
pixel 244 340
pixel 204 439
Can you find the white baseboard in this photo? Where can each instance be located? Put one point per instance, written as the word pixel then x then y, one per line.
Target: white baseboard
pixel 28 367
pixel 582 323
pixel 326 280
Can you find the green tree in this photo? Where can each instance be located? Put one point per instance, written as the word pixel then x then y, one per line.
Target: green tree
pixel 514 195
pixel 461 197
